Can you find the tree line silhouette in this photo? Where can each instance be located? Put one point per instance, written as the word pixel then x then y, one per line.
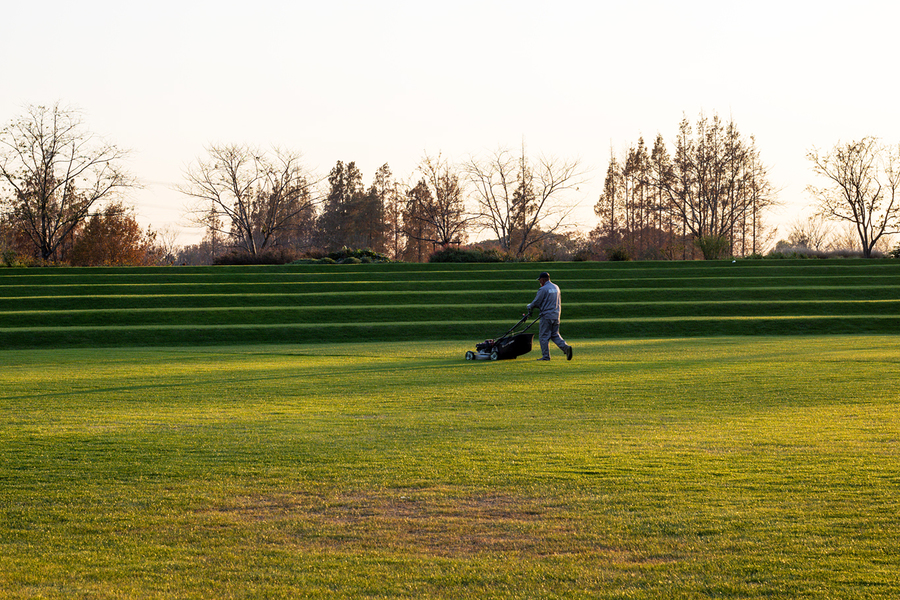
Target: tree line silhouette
pixel 707 194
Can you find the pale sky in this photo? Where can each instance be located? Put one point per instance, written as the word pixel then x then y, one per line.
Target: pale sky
pixel 387 82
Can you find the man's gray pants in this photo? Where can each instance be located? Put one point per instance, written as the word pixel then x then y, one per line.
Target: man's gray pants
pixel 550 331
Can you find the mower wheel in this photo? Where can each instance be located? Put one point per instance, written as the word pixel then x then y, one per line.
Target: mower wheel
pixel 470 355
pixel 494 355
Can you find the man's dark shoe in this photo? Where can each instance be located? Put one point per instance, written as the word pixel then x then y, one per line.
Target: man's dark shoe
pixel 568 352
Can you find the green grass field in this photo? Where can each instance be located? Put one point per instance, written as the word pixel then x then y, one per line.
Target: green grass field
pixel 726 467
pixel 726 430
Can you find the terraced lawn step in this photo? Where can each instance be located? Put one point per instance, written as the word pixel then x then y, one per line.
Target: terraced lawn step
pixel 464 298
pixel 467 333
pixel 335 303
pixel 414 313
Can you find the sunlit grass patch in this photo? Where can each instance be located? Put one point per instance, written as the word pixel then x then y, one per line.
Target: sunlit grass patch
pixel 735 467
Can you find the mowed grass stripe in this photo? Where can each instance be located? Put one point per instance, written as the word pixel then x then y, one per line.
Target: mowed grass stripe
pixel 458 297
pixel 468 331
pixel 581 324
pixel 413 313
pixel 363 285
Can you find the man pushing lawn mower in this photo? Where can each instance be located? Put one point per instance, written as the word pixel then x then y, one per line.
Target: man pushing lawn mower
pixel 548 303
pixel 517 342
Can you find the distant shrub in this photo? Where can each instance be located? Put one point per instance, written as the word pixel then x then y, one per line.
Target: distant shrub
pixel 312 254
pixel 713 246
pixel 801 252
pixel 467 255
pixel 618 253
pixel 344 256
pixel 779 255
pixel 11 258
pixel 361 255
pixel 583 255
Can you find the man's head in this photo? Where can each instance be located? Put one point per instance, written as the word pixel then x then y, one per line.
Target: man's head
pixel 543 277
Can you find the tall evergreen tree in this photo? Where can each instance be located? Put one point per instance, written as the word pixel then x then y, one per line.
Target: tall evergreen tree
pixel 379 213
pixel 388 191
pixel 523 203
pixel 636 180
pixel 607 207
pixel 418 231
pixel 336 225
pixel 661 175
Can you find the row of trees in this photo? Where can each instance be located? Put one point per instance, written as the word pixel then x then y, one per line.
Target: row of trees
pixel 260 202
pixel 256 201
pixel 62 195
pixel 710 195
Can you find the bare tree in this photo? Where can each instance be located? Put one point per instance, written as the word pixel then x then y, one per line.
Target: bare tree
pixel 56 173
pixel 812 233
pixel 167 243
pixel 520 200
pixel 864 177
pixel 256 196
pixel 438 217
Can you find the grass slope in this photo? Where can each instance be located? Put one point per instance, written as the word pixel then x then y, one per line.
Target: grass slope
pixel 691 468
pixel 408 302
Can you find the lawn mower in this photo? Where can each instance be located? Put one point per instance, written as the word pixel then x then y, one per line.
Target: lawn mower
pixel 509 345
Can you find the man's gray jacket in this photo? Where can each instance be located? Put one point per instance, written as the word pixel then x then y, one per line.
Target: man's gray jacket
pixel 547 301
